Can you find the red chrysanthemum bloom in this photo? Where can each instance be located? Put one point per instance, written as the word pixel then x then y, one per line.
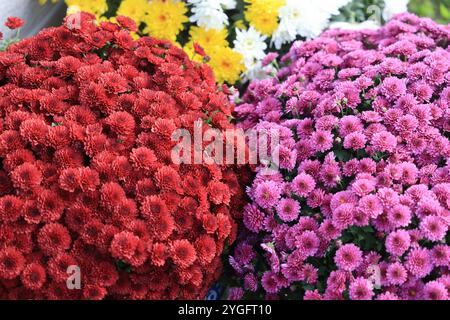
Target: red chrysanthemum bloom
pixel 124 245
pixel 218 192
pixel 22 242
pixel 224 225
pixel 94 292
pixel 92 231
pixel 33 276
pixel 11 263
pixel 59 265
pixel 127 23
pixel 154 205
pixel 122 123
pixel 183 253
pixel 17 158
pixel 112 195
pixel 158 254
pixel 89 179
pixel 76 217
pixel 31 212
pixel 34 131
pixel 67 157
pixel 58 136
pixel 161 226
pixel 209 222
pixel 143 158
pixel 126 211
pixel 53 238
pixel 69 179
pixel 14 23
pixel 206 249
pixel 50 205
pixel 10 208
pixel 167 178
pixel 106 274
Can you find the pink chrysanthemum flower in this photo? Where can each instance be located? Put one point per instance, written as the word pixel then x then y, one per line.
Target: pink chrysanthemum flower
pixel 361 289
pixel 399 216
pixel 253 218
pixel 348 257
pixel 371 205
pixel 396 274
pixel 398 242
pixel 434 228
pixel 307 243
pixel 343 197
pixel 349 124
pixel 388 296
pixel 267 194
pixel 355 141
pixel 343 216
pixel 393 88
pixel 303 184
pixel 312 295
pixel 250 282
pixel 440 255
pixel 435 290
pixel 363 187
pixel 322 140
pixel 384 141
pixel 270 282
pixel 418 262
pixel 328 231
pixel 288 209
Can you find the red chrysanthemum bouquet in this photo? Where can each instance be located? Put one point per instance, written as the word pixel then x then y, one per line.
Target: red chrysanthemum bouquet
pixel 86 176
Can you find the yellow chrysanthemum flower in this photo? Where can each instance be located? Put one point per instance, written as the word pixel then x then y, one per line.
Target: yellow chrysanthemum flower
pixel 227 65
pixel 263 14
pixel 135 9
pixel 165 18
pixel 97 7
pixel 208 38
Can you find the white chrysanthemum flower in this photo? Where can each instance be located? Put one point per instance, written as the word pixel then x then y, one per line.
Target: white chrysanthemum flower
pixel 208 14
pixel 393 7
pixel 366 25
pixel 256 71
pixel 251 44
pixel 228 4
pixel 286 32
pixel 307 18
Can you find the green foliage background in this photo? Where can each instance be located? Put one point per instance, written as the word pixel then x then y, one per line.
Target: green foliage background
pixel 439 10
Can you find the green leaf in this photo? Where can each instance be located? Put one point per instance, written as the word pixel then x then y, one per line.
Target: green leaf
pixel 343 155
pixel 123 266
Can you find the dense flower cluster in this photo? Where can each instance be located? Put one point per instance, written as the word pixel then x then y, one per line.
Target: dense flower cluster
pixel 86 176
pixel 360 208
pixel 236 34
